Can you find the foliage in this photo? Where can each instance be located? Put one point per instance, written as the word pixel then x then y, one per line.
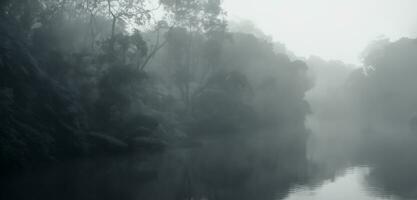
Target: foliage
pixel 108 76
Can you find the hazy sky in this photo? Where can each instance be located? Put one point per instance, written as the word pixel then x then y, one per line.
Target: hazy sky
pixel 332 29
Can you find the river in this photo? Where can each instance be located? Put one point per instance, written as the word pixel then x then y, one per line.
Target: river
pixel 172 177
pixel 348 186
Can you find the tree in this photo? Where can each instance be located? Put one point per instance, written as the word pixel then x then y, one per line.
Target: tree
pixel 130 11
pixel 201 27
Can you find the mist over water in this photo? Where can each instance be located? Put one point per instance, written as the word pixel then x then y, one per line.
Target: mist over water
pixel 122 99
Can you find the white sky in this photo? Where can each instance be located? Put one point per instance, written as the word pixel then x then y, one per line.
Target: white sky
pixel 331 29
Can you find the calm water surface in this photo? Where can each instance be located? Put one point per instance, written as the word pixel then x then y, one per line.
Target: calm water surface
pixel 196 175
pixel 349 186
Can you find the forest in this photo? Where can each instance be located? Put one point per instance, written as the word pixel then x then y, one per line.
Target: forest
pixel 168 99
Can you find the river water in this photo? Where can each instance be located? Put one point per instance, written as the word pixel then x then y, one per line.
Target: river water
pixel 160 178
pixel 351 185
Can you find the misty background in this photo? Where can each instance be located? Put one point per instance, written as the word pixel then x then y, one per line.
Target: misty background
pixel 208 99
pixel 331 29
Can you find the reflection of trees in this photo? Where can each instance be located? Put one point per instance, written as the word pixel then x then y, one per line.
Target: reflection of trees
pixel 394 165
pixel 233 168
pixel 245 169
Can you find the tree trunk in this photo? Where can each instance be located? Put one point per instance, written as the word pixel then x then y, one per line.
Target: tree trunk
pixel 113 30
pixel 92 32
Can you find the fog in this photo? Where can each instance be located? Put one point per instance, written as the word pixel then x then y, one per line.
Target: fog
pixel 331 29
pixel 208 100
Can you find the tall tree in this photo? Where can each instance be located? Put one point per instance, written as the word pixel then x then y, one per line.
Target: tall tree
pixel 195 18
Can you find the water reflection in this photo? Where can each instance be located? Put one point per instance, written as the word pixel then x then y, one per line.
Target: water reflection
pixel 349 186
pixel 219 170
pixel 211 172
